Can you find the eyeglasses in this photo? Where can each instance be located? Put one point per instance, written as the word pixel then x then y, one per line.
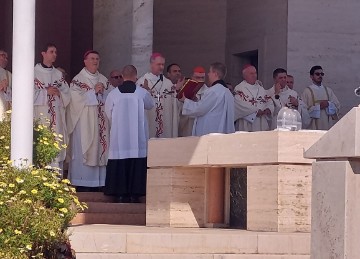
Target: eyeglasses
pixel 319 74
pixel 116 77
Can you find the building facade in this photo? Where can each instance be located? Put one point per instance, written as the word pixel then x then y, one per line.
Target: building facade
pixel 291 34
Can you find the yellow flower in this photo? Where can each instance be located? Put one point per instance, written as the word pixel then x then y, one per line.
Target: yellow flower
pixel 44 178
pixel 55 135
pixel 34 172
pixel 52 233
pixel 60 191
pixel 17 232
pixel 44 138
pixel 27 201
pixel 76 200
pixel 7 147
pixel 61 200
pixel 34 191
pixel 28 247
pixel 64 210
pixel 8 111
pixel 40 127
pixel 61 136
pixel 46 143
pixel 10 192
pixel 2 137
pixel 1 202
pixel 65 181
pixel 2 184
pixel 64 146
pixel 22 192
pixel 11 185
pixel 19 180
pixel 1 230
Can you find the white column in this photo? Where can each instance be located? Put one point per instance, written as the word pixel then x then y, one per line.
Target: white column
pixel 23 80
pixel 142 34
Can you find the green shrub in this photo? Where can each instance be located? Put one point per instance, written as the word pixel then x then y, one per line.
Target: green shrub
pixel 36 205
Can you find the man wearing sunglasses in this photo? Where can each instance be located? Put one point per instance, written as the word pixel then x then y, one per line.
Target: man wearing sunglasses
pixel 116 78
pixel 323 105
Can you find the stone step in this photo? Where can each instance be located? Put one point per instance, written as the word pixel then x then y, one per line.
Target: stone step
pixel 94 197
pixel 121 208
pixel 187 256
pixel 119 218
pixel 112 240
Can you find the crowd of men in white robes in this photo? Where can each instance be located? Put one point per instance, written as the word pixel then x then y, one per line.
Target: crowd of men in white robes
pixel 106 122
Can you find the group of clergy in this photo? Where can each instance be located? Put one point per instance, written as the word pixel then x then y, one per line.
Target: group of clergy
pixel 106 127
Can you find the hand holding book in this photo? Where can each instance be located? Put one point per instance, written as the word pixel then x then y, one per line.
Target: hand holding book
pixel 190 89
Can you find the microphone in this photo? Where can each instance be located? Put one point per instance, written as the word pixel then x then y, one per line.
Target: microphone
pixel 161 78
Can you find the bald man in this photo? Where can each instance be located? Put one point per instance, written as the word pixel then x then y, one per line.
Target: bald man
pixel 126 168
pixel 253 108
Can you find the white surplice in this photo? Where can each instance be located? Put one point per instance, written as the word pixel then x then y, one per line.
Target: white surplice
pixel 186 123
pixel 50 109
pixel 284 101
pixel 163 118
pixel 88 127
pixel 248 100
pixel 321 119
pixel 129 128
pixel 214 112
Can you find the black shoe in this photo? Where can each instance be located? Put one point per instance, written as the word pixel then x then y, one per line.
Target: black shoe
pixel 83 189
pixel 122 199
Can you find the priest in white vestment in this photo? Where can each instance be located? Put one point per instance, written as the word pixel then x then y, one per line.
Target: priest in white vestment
pixel 283 96
pixel 214 112
pixel 186 122
pixel 51 97
pixel 163 118
pixel 127 165
pixel 88 125
pixel 253 107
pixel 322 103
pixel 5 84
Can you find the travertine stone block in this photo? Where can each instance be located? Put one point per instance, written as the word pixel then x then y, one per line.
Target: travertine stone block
pixel 189 151
pixel 279 198
pixel 346 133
pixel 336 208
pixel 266 147
pixel 176 197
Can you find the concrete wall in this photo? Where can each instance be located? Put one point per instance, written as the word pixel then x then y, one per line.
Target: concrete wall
pixel 256 25
pixel 190 32
pixel 112 33
pixel 326 33
pixel 49 29
pixel 6 28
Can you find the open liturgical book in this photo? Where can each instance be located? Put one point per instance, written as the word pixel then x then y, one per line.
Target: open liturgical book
pixel 190 89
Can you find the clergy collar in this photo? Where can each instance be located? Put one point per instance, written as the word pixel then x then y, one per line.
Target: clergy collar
pixel 153 75
pixel 91 74
pixel 318 86
pixel 283 89
pixel 222 82
pixel 127 87
pixel 45 66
